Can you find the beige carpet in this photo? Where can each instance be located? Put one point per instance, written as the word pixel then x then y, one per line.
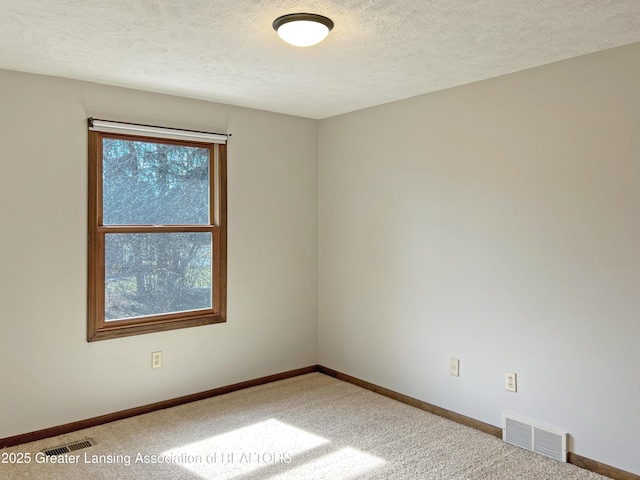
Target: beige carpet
pixel 309 427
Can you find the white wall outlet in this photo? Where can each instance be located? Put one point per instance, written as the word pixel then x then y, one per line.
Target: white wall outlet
pixel 510 382
pixel 156 359
pixel 454 367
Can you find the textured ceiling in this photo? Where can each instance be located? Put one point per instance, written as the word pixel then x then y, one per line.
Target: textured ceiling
pixel 379 50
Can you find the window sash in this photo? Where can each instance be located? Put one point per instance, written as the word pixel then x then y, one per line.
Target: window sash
pixel 98 327
pixel 167 317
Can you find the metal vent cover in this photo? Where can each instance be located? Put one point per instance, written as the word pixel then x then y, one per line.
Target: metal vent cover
pixel 70 447
pixel 537 438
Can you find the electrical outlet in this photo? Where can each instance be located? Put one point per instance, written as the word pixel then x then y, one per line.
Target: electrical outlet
pixel 156 359
pixel 454 367
pixel 510 382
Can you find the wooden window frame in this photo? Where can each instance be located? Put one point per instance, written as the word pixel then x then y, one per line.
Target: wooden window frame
pixel 97 327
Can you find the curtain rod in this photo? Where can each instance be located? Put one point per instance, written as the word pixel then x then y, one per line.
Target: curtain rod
pixel 149 130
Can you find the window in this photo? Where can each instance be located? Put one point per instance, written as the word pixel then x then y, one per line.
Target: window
pixel 157 230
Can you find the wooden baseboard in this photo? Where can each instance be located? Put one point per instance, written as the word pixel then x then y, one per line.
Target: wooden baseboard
pixel 601 468
pixel 575 459
pixel 132 412
pixel 414 402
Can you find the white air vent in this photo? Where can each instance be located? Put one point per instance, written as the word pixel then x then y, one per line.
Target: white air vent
pixel 543 440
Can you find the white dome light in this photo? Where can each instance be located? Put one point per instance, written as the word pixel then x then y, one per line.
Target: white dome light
pixel 303 29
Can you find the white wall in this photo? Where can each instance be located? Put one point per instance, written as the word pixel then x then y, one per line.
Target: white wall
pixel 498 223
pixel 49 374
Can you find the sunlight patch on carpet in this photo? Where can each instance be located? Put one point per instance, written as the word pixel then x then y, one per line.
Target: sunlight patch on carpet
pixel 244 450
pixel 344 464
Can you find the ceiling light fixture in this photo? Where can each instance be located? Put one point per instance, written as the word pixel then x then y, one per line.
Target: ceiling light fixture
pixel 303 29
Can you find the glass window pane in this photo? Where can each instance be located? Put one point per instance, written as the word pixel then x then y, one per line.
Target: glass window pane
pixel 146 183
pixel 156 273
